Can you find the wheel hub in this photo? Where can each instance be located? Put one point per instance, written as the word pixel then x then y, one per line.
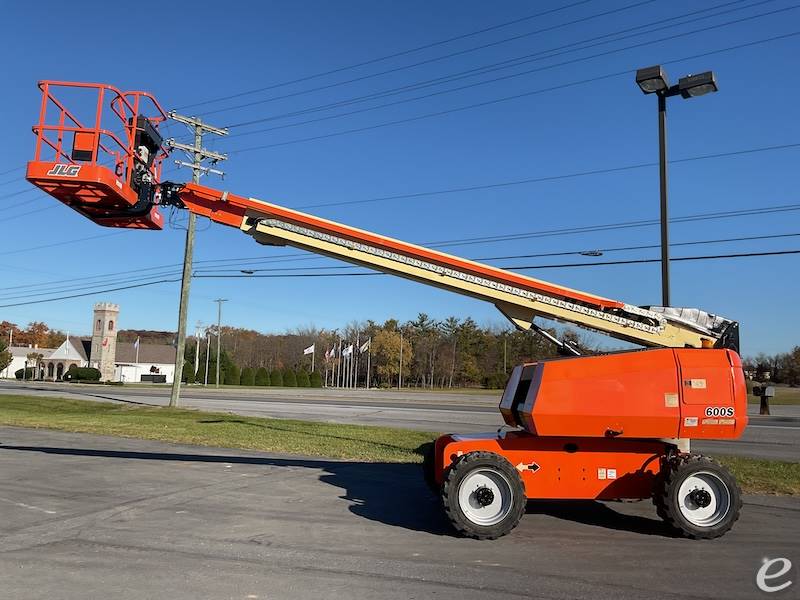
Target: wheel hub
pixel 700 497
pixel 484 496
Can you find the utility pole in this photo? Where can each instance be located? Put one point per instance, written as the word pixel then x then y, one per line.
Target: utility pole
pixel 197 329
pixel 219 302
pixel 198 154
pixel 208 354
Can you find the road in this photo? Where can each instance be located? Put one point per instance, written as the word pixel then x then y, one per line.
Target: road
pixel 776 437
pixel 85 516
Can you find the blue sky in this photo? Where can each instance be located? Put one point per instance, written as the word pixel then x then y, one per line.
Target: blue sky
pixel 580 127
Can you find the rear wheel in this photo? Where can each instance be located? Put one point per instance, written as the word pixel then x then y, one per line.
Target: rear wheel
pixel 483 495
pixel 698 497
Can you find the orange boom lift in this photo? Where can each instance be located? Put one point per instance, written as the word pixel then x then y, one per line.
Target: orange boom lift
pixel 602 427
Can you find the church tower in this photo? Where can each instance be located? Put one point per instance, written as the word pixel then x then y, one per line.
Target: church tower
pixel 104 339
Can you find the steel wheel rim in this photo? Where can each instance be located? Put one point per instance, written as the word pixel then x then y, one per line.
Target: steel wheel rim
pixel 494 512
pixel 718 507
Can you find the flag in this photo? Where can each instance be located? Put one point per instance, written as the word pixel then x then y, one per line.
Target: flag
pixel 136 344
pixel 365 346
pixel 348 351
pixel 310 349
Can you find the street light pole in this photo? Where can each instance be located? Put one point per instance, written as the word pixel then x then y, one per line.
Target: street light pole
pixel 662 172
pixel 653 80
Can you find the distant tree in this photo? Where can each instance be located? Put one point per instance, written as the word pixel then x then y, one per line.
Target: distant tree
pixel 5 355
pixel 200 376
pixel 188 374
pixel 262 377
pixel 247 377
pixel 35 334
pixel 289 378
pixel 386 356
pixel 232 375
pixel 276 378
pixel 34 358
pixel 315 380
pixel 792 376
pixel 303 379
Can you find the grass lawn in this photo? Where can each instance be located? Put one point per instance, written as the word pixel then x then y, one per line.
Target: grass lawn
pixel 356 442
pixel 783 395
pixel 215 429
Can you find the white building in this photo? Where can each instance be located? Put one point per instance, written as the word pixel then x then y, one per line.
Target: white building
pixel 19 358
pixel 117 361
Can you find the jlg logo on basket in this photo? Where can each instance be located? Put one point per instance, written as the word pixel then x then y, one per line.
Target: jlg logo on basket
pixel 65 170
pixel 719 411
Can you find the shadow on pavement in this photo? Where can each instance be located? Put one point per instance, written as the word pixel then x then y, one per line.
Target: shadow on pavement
pixel 390 493
pixel 599 514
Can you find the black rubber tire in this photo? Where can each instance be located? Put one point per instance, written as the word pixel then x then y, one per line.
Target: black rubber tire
pixel 667 502
pixel 455 475
pixel 429 467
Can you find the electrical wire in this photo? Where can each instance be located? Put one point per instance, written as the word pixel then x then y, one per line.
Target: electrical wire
pixel 505 98
pixel 515 62
pixel 549 178
pixel 538 255
pixel 523 267
pixel 381 58
pixel 307 275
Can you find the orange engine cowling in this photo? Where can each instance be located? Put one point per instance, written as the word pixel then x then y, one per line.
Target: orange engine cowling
pixel 660 393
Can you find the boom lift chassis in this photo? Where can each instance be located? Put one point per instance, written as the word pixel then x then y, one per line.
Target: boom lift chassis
pixel 606 427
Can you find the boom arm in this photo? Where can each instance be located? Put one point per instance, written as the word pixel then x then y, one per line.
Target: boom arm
pixel 518 297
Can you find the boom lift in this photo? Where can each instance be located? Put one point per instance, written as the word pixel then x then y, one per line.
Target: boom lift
pixel 606 427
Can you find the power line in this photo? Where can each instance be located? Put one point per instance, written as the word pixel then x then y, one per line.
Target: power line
pixel 515 62
pixel 62 243
pixel 438 58
pixel 467 241
pixel 477 187
pixel 127 287
pixel 201 273
pixel 521 268
pixel 538 255
pixel 505 98
pixel 306 275
pixel 382 58
pixel 501 184
pixel 616 226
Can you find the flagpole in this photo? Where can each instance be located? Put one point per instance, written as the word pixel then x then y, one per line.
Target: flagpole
pixel 358 346
pixel 369 361
pixel 339 365
pixel 137 349
pixel 313 356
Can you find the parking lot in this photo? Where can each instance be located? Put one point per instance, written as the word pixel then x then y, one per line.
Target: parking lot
pixel 85 516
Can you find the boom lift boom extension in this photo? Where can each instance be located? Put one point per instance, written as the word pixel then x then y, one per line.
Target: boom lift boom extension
pixel 518 297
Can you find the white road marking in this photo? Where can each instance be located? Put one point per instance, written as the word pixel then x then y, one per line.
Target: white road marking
pixel 23 505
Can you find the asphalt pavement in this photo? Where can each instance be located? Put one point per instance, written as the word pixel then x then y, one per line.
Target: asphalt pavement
pixel 85 516
pixel 775 437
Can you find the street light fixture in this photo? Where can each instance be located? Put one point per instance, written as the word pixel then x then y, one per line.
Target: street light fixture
pixel 653 80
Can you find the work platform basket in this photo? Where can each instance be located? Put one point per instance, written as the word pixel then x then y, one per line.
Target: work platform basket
pixel 103 155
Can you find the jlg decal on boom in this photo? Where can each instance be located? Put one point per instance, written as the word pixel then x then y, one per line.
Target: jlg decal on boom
pixel 65 170
pixel 719 411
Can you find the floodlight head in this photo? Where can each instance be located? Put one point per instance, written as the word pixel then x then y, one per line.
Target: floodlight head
pixel 652 79
pixel 701 84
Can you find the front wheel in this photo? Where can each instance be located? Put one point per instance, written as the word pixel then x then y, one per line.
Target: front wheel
pixel 698 497
pixel 483 495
